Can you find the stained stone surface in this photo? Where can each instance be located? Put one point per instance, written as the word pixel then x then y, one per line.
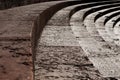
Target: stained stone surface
pixel 68 49
pixel 22 31
pixel 64 63
pixel 15 60
pixel 58 36
pixel 59 54
pixel 19 28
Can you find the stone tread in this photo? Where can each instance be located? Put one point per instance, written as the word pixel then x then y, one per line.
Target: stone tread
pixel 57 50
pixel 63 51
pixel 93 49
pixel 106 67
pixel 92 26
pixel 108 27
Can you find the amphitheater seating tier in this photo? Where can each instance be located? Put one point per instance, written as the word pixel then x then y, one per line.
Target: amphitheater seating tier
pixel 61 40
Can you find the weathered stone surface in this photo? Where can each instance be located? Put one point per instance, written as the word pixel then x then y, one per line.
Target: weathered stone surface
pixel 66 72
pixel 57 62
pixel 61 55
pixel 16 60
pixel 20 29
pixel 102 54
pixel 108 66
pixel 58 36
pixel 64 52
pixel 15 30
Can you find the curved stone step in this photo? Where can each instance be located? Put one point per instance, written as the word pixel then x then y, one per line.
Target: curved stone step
pixel 116 29
pixel 89 20
pixel 99 8
pixel 100 24
pixel 98 30
pixel 110 29
pixel 20 29
pixel 116 22
pixel 97 53
pixel 57 38
pixel 111 16
pixel 90 8
pixel 108 11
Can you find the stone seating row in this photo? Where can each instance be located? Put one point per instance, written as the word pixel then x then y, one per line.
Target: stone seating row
pixel 20 30
pixel 57 34
pixel 25 28
pixel 93 38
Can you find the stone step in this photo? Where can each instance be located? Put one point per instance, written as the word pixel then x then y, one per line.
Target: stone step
pixel 59 55
pixel 20 30
pixel 100 28
pixel 110 30
pixel 99 8
pixel 94 49
pixel 111 16
pixel 57 47
pixel 116 29
pixel 116 23
pixel 106 31
pixel 97 30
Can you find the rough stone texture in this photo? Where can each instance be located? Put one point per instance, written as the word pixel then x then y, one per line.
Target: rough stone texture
pixel 66 51
pixel 63 63
pixel 58 36
pixel 16 60
pixel 59 55
pixel 20 29
pixel 63 19
pixel 102 54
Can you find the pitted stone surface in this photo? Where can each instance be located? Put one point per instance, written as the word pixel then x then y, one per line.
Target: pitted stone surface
pixel 67 72
pixel 59 55
pixel 101 54
pixel 63 63
pixel 20 30
pixel 65 51
pixel 58 36
pixel 15 60
pixel 111 30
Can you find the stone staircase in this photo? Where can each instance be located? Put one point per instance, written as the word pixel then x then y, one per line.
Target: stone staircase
pixel 61 40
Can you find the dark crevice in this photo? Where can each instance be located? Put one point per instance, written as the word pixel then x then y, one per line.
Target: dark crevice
pixel 26 63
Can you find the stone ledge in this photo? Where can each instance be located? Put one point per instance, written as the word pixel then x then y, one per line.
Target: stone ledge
pixel 20 29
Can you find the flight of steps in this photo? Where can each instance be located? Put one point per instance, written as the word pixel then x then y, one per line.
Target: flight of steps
pixel 61 40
